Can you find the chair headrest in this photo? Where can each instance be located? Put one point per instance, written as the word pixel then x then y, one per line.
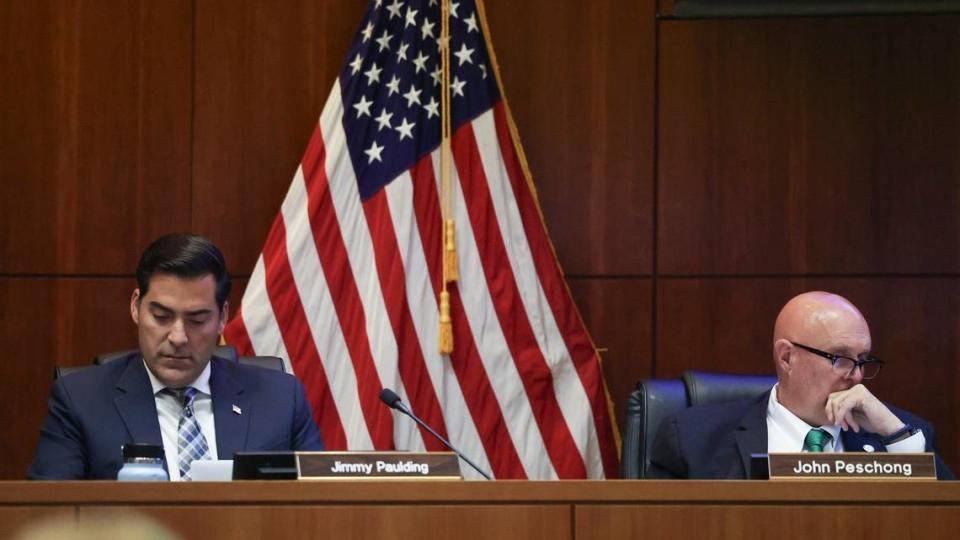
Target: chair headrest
pixel 704 388
pixel 267 362
pixel 62 371
pixel 224 351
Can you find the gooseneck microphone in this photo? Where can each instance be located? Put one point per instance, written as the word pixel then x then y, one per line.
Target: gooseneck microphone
pixel 392 400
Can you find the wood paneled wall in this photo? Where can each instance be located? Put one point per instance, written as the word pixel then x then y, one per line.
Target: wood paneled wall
pixel 694 174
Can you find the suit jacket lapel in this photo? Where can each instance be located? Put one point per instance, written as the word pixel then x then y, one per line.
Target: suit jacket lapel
pixel 136 405
pixel 751 436
pixel 231 410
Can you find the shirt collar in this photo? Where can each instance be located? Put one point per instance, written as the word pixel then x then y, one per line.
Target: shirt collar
pixel 202 382
pixel 795 428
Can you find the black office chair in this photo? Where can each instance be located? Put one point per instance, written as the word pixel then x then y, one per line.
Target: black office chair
pixel 656 399
pixel 267 362
pixel 63 371
pixel 223 351
pixel 227 351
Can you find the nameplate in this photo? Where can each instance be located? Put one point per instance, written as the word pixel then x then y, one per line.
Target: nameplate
pixel 377 465
pixel 853 465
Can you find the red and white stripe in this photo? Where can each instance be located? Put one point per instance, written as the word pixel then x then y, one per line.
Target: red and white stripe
pixel 346 291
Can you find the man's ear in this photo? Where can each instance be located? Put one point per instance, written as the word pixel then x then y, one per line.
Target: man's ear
pixel 224 313
pixel 783 355
pixel 135 306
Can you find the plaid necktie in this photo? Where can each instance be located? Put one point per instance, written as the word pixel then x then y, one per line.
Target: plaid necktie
pixel 816 440
pixel 191 444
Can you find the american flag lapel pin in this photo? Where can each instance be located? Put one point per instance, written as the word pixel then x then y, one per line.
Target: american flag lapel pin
pixel 236 410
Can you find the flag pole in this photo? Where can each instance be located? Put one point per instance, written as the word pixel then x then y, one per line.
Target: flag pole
pixel 448 240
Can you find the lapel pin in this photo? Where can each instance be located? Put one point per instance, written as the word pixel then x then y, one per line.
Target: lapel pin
pixel 868 448
pixel 236 410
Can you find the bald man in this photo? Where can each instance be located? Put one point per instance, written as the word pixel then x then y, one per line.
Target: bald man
pixel 821 352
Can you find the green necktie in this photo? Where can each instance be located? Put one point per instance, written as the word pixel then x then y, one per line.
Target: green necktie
pixel 816 440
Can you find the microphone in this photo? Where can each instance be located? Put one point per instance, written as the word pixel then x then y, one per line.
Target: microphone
pixel 392 400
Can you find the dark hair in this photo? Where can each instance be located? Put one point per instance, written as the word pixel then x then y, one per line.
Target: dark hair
pixel 185 256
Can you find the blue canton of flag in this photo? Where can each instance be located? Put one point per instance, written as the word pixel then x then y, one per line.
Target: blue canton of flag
pixel 391 85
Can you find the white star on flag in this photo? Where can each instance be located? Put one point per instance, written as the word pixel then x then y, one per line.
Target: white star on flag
pixel 463 55
pixel 405 129
pixel 395 8
pixel 427 29
pixel 383 120
pixel 471 22
pixel 363 106
pixel 457 86
pixel 412 96
pixel 356 64
pixel 421 62
pixel 373 74
pixel 433 108
pixel 384 41
pixel 402 52
pixel 394 86
pixel 374 152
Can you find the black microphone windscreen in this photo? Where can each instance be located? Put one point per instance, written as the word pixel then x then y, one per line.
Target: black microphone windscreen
pixel 389 397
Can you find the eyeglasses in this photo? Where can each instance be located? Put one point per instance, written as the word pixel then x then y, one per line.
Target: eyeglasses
pixel 869 365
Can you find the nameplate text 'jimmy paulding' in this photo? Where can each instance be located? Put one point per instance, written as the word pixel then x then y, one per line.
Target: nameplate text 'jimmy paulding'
pixel 379 465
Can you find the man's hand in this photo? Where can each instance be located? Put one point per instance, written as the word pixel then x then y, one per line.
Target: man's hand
pixel 857 408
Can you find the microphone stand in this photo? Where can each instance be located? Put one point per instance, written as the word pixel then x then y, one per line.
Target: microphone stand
pixel 392 400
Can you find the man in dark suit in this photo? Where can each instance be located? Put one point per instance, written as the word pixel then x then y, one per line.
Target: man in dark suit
pixel 821 349
pixel 173 393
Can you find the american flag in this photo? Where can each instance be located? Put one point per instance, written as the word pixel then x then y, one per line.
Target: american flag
pixel 346 289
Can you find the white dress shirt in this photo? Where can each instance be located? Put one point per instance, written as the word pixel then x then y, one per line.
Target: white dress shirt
pixel 786 432
pixel 168 413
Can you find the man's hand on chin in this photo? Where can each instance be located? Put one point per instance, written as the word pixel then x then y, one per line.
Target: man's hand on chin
pixel 856 408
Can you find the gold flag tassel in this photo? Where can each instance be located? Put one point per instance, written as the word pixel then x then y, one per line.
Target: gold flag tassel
pixel 446 325
pixel 450 271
